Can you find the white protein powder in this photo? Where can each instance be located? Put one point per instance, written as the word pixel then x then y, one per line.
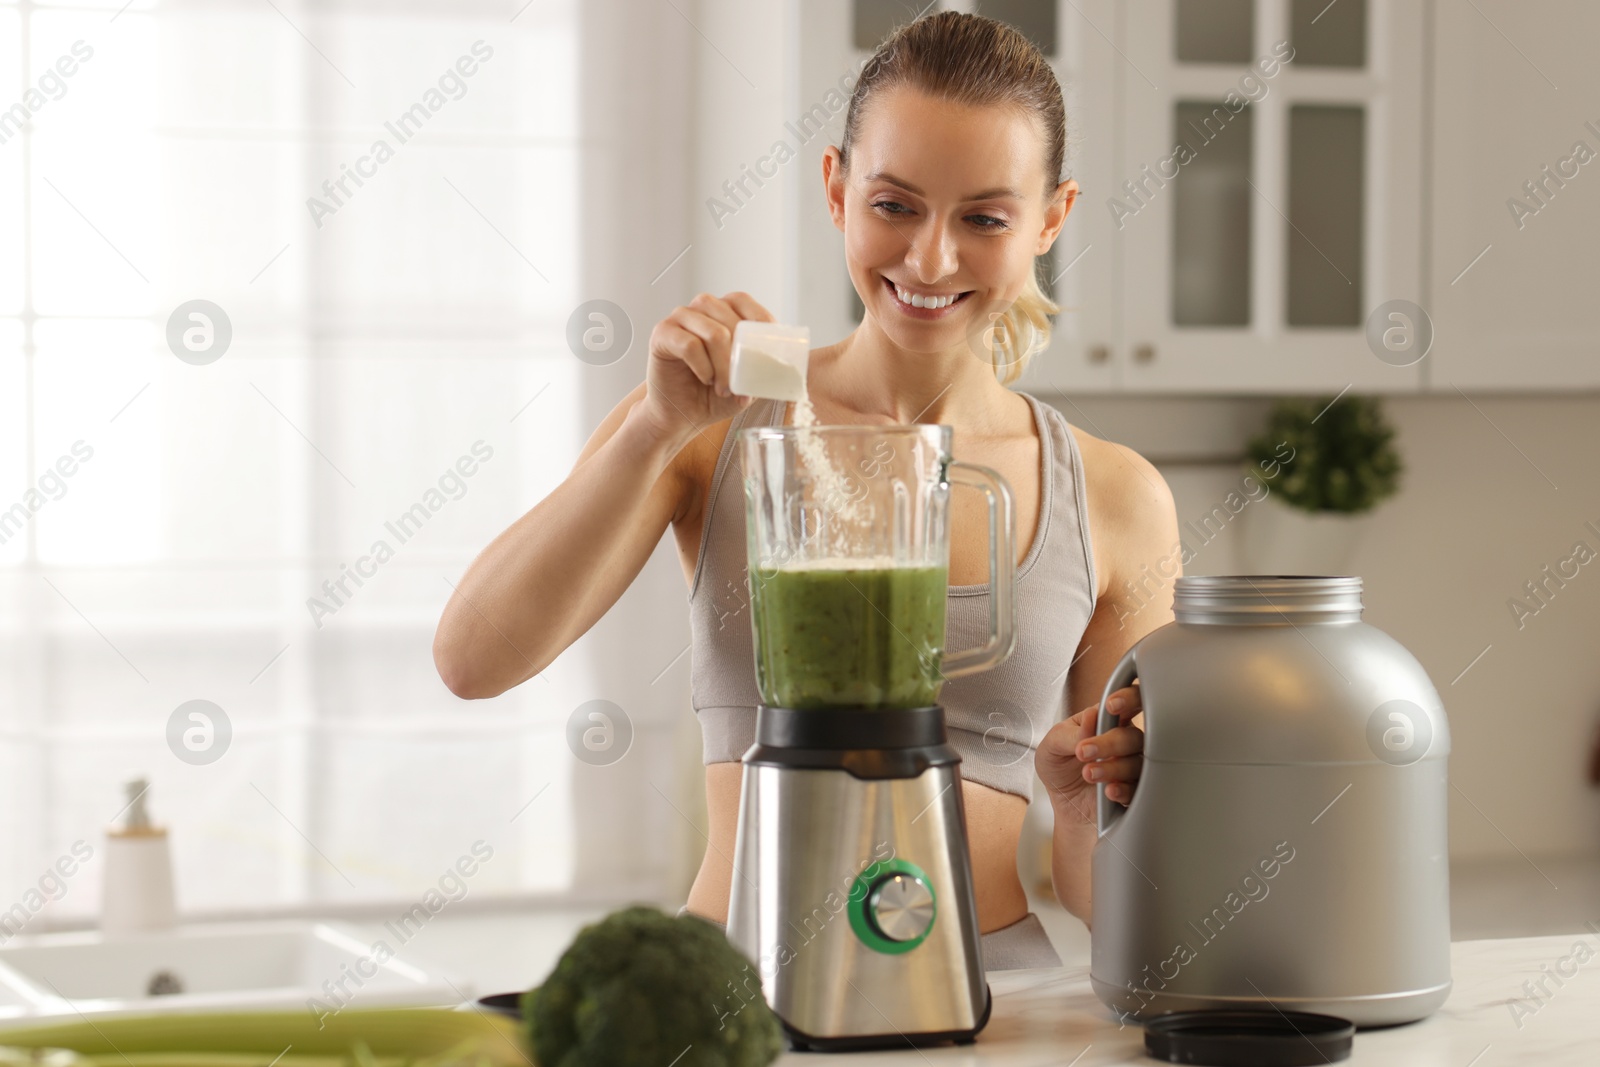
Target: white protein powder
pixel 755 372
pixel 835 493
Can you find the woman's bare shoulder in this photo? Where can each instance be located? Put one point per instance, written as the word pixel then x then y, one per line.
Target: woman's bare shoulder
pixel 1125 483
pixel 1132 516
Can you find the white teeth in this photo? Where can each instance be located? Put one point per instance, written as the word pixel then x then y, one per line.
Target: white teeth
pixel 917 300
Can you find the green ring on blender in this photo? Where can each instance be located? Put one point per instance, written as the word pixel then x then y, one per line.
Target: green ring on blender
pixel 861 892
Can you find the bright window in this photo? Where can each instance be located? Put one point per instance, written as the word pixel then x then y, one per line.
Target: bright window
pixel 167 525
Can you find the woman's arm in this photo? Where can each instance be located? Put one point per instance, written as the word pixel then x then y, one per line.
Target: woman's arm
pixel 1137 529
pixel 542 583
pixel 555 571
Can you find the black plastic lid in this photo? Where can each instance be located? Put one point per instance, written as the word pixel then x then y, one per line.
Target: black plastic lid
pixel 503 1003
pixel 1249 1038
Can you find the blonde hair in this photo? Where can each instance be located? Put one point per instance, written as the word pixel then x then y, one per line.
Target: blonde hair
pixel 973 60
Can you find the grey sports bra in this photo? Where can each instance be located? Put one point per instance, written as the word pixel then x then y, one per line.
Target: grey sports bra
pixel 995 718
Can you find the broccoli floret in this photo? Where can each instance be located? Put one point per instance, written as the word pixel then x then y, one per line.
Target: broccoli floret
pixel 644 989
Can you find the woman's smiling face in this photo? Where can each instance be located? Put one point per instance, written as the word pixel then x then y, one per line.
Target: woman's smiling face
pixel 943 209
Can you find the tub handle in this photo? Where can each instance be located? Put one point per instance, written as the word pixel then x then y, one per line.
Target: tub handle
pixel 1108 811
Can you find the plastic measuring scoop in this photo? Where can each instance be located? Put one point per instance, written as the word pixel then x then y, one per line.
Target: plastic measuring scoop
pixel 769 360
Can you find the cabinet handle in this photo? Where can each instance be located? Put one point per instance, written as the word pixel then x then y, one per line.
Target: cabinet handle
pixel 1144 353
pixel 1099 353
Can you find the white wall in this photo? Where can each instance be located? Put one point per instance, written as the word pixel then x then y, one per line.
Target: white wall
pixel 746 91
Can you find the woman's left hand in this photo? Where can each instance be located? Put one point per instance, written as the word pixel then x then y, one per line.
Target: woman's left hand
pixel 1073 759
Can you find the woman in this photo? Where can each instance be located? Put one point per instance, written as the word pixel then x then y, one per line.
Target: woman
pixel 945 186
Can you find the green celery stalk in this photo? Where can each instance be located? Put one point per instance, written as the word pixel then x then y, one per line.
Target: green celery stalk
pixel 376 1037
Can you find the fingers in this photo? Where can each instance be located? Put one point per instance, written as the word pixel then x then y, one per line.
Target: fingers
pixel 716 341
pixel 747 308
pixel 1086 722
pixel 1121 769
pixel 1059 743
pixel 1115 758
pixel 714 308
pixel 713 320
pixel 1117 741
pixel 1125 702
pixel 676 339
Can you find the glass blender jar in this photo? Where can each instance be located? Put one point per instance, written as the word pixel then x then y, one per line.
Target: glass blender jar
pixel 848 531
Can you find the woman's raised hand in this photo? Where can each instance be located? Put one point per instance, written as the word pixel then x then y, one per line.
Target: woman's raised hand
pixel 687 375
pixel 1073 759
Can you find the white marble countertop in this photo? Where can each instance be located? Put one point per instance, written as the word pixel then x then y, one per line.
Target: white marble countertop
pixel 1051 1018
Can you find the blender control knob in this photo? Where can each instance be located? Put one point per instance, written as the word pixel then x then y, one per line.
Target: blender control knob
pixel 901 906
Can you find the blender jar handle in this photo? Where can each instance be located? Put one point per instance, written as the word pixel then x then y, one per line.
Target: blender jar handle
pixel 1002 572
pixel 1108 811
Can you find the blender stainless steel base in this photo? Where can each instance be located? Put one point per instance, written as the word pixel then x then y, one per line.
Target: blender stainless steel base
pixel 852 885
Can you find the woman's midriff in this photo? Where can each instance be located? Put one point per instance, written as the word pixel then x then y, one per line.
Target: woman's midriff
pixel 994 825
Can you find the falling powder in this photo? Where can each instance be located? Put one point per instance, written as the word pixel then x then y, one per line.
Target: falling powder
pixel 834 494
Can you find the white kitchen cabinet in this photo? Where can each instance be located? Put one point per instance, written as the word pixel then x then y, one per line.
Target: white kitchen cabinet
pixel 1269 205
pixel 1516 195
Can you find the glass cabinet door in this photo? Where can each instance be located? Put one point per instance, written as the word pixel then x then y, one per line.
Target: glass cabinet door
pixel 1268 194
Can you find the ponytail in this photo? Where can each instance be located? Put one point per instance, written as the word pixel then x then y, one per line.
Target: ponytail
pixel 1022 331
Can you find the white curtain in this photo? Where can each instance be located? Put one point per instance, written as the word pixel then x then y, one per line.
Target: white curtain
pixel 397 389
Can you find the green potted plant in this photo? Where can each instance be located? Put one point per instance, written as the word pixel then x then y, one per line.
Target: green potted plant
pixel 1324 463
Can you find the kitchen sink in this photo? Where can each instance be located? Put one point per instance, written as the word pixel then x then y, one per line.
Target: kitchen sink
pixel 240 966
pixel 14 1001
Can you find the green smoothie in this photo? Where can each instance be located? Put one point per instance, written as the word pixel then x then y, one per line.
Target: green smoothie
pixel 849 636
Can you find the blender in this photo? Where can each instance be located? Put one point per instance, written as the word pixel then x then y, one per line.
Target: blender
pixel 852 887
